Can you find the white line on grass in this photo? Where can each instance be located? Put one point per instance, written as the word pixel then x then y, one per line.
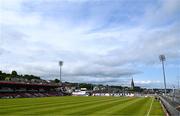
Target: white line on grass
pixel 150 107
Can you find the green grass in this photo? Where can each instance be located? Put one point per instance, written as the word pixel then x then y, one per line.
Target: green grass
pixel 95 106
pixel 156 109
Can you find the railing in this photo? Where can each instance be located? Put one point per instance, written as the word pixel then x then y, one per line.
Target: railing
pixel 170 106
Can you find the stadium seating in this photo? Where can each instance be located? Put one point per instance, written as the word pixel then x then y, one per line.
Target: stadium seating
pixel 22 90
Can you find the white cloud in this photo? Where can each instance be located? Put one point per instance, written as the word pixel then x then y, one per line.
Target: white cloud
pixel 164 13
pixel 147 82
pixel 96 42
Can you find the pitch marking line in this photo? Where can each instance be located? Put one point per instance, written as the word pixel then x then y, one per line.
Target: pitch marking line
pixel 150 107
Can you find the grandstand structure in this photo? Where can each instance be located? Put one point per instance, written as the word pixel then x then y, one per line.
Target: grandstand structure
pixel 10 89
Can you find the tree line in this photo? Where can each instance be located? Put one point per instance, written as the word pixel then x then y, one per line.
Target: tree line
pixel 14 74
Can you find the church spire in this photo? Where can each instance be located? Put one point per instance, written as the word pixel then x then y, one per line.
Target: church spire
pixel 132 84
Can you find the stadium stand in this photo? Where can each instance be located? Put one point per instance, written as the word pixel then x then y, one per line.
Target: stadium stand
pixel 9 89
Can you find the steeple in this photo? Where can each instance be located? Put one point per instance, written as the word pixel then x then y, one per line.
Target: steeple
pixel 132 84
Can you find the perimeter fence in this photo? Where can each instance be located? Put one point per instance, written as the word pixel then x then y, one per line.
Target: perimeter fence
pixel 171 102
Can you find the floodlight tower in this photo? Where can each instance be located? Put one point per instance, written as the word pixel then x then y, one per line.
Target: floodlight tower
pixel 162 59
pixel 60 65
pixel 178 82
pixel 173 93
pixel 178 77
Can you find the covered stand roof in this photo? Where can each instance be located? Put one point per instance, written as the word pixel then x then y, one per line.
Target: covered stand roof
pixel 25 85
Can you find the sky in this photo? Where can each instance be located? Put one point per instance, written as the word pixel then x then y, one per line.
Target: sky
pixel 99 41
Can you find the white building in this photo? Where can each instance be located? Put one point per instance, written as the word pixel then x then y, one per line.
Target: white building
pixel 82 92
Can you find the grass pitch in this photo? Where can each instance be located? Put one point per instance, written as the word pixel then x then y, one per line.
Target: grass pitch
pixel 72 105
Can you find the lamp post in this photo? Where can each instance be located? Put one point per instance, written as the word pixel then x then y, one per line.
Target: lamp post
pixel 60 65
pixel 162 59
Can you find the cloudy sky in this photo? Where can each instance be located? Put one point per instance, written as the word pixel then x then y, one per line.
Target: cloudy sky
pixel 100 41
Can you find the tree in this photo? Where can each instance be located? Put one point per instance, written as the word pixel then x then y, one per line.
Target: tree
pixel 14 73
pixel 8 78
pixel 1 77
pixel 29 77
pixel 56 80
